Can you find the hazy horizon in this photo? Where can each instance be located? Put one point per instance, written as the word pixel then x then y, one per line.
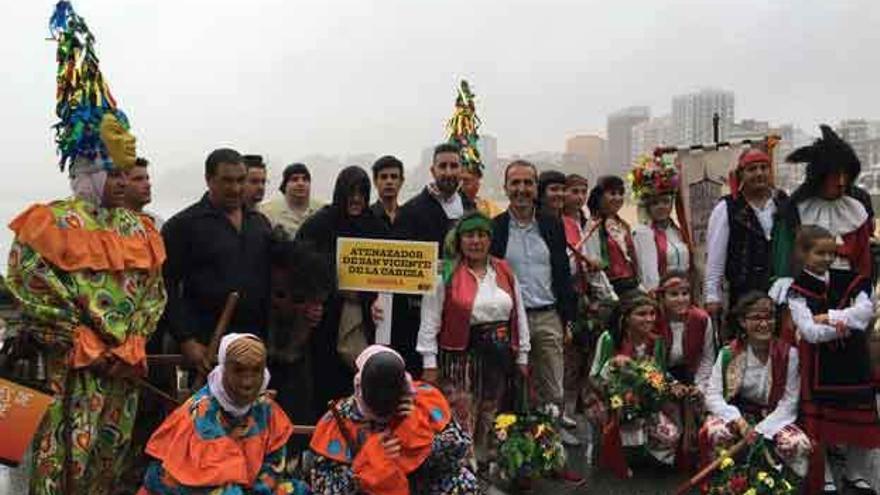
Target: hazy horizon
pixel 292 79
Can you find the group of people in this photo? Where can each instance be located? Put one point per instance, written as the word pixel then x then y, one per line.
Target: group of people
pixel 541 299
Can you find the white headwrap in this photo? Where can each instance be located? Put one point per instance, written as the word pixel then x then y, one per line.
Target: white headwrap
pixel 215 378
pixel 360 362
pixel 87 180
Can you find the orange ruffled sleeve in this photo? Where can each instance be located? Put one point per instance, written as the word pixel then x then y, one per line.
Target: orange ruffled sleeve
pixel 88 347
pixel 75 248
pixel 196 462
pixel 375 472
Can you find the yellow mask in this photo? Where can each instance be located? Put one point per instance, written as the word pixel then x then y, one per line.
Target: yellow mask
pixel 119 142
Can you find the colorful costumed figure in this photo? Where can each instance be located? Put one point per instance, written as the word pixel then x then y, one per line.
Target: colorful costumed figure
pixel 831 311
pixel 660 244
pixel 474 330
pixel 227 439
pixel 609 243
pixel 690 346
pixel 829 198
pixel 462 128
pixel 392 437
pixel 755 384
pixel 87 274
pixel 629 365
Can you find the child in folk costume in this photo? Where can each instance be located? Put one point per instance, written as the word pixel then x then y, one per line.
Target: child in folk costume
pixel 609 243
pixel 632 337
pixel 755 381
pixel 690 349
pixel 831 310
pixel 660 244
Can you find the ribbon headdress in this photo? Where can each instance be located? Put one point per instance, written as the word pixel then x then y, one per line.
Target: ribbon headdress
pixel 462 128
pixel 91 131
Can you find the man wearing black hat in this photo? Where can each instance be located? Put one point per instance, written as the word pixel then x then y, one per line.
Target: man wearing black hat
pixel 292 209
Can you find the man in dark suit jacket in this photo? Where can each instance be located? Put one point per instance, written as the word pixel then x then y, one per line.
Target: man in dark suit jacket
pixel 426 217
pixel 534 246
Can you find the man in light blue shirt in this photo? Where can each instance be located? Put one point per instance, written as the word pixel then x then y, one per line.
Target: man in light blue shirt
pixel 534 245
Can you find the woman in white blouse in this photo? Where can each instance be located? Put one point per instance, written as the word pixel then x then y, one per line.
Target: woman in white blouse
pixel 659 243
pixel 474 331
pixel 755 385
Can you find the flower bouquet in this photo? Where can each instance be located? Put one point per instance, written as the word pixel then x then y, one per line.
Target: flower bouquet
pixel 635 389
pixel 529 446
pixel 759 474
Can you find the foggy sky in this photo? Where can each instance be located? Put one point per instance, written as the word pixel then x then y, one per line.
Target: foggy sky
pixel 288 78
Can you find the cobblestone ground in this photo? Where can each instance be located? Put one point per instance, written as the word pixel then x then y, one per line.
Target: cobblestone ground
pixel 646 481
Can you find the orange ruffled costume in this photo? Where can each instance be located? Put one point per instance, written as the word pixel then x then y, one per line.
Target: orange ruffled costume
pixel 199 446
pixel 376 473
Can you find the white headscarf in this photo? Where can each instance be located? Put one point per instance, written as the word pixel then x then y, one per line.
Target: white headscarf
pixel 215 378
pixel 87 180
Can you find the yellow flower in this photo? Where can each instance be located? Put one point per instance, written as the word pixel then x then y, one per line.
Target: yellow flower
pixel 539 430
pixel 786 485
pixel 503 421
pixel 726 463
pixel 761 475
pixel 616 402
pixel 770 482
pixel 751 491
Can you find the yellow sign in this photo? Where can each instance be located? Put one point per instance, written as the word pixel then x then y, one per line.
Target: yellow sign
pixel 374 265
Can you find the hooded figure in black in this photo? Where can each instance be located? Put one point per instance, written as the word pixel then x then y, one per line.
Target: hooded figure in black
pixel 830 198
pixel 348 216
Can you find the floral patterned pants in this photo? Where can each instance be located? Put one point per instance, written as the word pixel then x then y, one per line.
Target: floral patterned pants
pixel 85 434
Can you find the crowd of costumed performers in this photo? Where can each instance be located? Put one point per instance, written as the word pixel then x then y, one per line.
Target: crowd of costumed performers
pixel 548 318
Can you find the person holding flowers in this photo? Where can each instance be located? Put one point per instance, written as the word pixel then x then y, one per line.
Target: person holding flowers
pixel 690 346
pixel 474 331
pixel 754 387
pixel 629 366
pixel 660 244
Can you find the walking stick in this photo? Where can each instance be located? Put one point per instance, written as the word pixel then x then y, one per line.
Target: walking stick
pixel 219 330
pixel 711 467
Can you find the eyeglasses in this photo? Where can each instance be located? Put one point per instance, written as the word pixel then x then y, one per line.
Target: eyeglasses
pixel 760 318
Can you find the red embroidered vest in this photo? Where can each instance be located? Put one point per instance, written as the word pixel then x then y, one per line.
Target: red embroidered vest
pixel 459 302
pixel 694 336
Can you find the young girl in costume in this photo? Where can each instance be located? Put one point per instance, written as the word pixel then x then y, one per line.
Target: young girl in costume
pixel 755 384
pixel 831 310
pixel 690 348
pixel 609 243
pixel 632 337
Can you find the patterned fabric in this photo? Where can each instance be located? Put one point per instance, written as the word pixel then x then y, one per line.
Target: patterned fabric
pixel 80 271
pixel 116 304
pixel 444 472
pixel 203 428
pixel 791 444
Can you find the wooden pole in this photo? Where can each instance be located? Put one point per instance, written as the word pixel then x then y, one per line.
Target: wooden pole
pixel 219 330
pixel 711 467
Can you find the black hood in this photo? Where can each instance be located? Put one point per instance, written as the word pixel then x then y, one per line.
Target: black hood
pixel 350 179
pixel 825 156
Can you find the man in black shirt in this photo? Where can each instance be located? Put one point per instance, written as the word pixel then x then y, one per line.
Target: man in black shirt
pixel 388 179
pixel 216 246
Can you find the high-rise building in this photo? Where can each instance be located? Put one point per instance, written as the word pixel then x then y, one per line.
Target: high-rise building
pixel 692 116
pixel 856 132
pixel 619 130
pixel 584 155
pixel 651 134
pixel 749 129
pixel 788 175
